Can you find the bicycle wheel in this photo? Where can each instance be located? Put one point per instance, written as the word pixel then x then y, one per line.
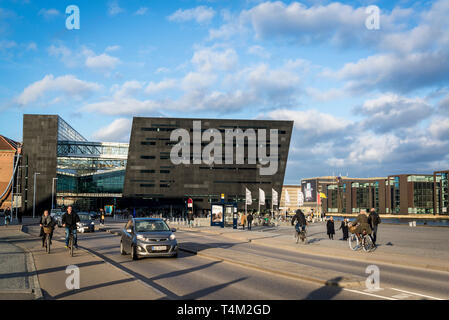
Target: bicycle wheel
pixel 71 245
pixel 47 243
pixel 367 243
pixel 353 242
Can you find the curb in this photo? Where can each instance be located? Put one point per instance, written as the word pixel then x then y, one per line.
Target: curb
pixel 342 284
pixel 257 242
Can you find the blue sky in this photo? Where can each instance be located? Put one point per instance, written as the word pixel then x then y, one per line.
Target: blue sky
pixel 365 102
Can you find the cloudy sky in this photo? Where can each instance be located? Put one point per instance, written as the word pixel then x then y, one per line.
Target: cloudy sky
pixel 368 102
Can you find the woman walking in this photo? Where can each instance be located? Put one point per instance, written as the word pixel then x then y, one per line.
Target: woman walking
pixel 344 227
pixel 330 228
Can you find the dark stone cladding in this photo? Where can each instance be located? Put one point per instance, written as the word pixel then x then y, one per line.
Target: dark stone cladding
pixel 151 178
pixel 40 135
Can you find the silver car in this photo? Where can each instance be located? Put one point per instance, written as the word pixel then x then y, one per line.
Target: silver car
pixel 148 237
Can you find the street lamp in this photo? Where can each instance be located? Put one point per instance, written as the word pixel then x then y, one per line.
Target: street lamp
pixel 53 192
pixel 34 194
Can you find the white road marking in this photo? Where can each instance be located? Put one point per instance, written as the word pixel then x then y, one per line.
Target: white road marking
pixel 369 294
pixel 401 296
pixel 416 294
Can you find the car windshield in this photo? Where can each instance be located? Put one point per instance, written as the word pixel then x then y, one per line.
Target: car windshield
pixel 151 226
pixel 84 216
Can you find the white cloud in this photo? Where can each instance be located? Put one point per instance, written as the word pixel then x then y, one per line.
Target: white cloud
pixel 67 85
pixel 125 106
pixel 141 11
pixel 126 90
pixel 259 51
pixel 391 71
pixel 207 60
pixel 165 84
pixel 200 14
pixel 102 62
pixel 114 8
pixel 112 48
pixel 312 122
pixel 49 13
pixel 390 112
pixel 117 131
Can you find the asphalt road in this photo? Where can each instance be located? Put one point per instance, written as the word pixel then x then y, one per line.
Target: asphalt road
pixel 195 277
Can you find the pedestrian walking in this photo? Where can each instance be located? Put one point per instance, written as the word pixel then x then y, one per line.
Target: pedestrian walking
pixel 7 216
pixel 243 220
pixel 101 216
pixel 190 217
pixel 250 220
pixel 344 227
pixel 330 228
pixel 374 221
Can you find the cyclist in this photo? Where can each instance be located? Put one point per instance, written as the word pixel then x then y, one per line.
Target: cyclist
pixel 69 221
pixel 301 221
pixel 46 221
pixel 362 224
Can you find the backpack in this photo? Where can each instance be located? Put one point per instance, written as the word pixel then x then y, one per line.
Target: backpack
pixel 377 219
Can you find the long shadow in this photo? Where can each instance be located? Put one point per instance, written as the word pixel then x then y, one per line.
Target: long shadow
pixel 48 270
pixel 184 271
pixel 203 292
pixel 325 292
pixel 93 287
pixel 169 294
pixel 314 240
pixel 197 247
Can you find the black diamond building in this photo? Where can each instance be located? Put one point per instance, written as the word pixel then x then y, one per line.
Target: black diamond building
pixel 153 180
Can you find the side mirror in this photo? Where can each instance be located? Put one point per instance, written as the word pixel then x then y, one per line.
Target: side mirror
pixel 173 229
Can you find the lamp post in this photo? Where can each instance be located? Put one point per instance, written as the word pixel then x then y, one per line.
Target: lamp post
pixel 53 192
pixel 34 194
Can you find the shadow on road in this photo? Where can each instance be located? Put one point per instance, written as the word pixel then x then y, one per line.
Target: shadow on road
pixel 326 292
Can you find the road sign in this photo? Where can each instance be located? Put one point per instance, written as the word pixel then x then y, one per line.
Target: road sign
pixel 190 203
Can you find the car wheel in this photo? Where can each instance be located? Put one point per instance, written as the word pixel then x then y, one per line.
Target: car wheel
pixel 122 249
pixel 134 253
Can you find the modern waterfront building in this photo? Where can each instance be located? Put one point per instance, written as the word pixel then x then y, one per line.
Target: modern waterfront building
pixel 153 180
pixel 67 169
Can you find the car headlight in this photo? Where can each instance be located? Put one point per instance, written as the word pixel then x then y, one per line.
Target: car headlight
pixel 92 223
pixel 79 224
pixel 172 236
pixel 140 237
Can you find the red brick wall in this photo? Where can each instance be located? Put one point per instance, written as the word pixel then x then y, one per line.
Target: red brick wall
pixel 6 168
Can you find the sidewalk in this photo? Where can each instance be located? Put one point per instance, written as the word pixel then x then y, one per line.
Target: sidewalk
pixel 17 276
pixel 98 280
pixel 318 245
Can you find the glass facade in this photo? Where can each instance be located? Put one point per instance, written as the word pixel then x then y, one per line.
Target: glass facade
pixel 88 169
pixel 67 133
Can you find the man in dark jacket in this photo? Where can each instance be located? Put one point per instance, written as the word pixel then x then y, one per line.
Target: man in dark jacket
pixel 46 221
pixel 250 220
pixel 374 221
pixel 69 220
pixel 344 227
pixel 301 220
pixel 361 223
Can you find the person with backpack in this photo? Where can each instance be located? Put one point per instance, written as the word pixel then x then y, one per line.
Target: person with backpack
pixel 374 221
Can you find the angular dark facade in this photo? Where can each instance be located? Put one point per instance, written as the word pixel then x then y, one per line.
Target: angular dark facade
pixel 40 141
pixel 152 180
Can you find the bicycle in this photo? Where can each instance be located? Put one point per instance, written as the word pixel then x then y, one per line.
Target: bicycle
pixel 301 235
pixel 47 241
pixel 365 242
pixel 70 242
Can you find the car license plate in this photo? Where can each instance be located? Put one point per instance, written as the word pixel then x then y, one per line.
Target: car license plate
pixel 159 248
